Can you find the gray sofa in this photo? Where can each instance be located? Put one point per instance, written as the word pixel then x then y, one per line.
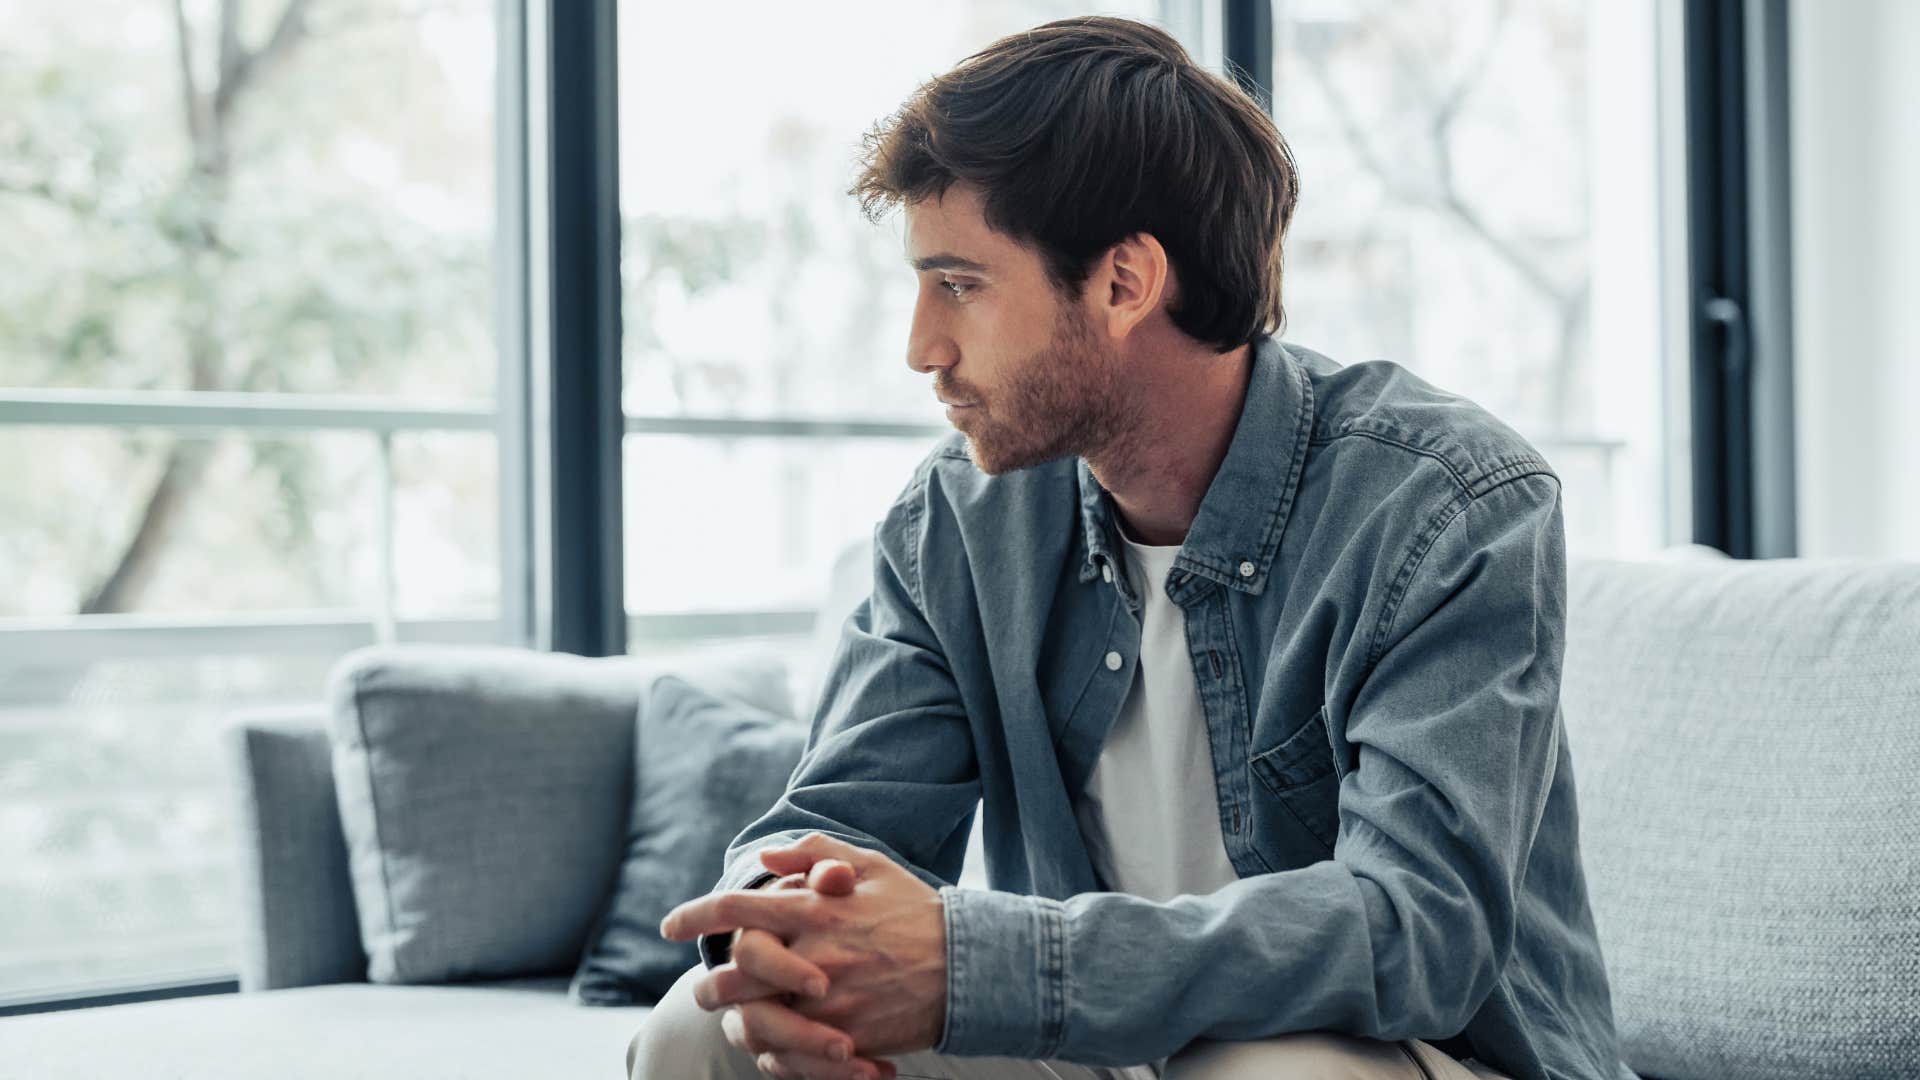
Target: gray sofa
pixel 1747 741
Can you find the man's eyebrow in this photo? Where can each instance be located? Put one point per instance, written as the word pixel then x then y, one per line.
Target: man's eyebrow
pixel 949 262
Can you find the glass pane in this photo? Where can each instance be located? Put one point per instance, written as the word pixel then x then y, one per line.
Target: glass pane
pixel 1854 153
pixel 446 525
pixel 324 228
pixel 117 842
pixel 198 526
pixel 222 199
pixel 751 524
pixel 752 284
pixel 1478 203
pixel 189 525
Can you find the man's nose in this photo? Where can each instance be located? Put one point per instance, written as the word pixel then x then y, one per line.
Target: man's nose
pixel 928 346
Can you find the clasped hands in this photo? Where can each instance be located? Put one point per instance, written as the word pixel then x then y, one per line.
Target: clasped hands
pixel 841 961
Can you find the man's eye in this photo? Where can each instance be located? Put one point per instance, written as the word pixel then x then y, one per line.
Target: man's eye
pixel 958 288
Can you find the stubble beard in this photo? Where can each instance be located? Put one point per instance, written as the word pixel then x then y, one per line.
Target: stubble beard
pixel 1063 401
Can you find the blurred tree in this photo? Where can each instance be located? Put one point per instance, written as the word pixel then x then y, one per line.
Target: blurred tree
pixel 228 250
pixel 1431 68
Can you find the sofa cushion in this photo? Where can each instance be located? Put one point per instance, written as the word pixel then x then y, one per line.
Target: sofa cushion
pixel 705 767
pixel 483 798
pixel 508 1030
pixel 1747 741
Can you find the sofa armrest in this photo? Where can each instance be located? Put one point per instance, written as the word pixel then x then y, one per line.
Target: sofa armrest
pixel 298 923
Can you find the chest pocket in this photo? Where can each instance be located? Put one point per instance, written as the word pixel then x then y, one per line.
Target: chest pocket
pixel 1300 773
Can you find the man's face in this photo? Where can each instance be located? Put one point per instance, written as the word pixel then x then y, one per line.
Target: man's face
pixel 1038 382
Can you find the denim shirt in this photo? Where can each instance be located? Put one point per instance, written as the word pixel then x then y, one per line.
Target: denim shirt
pixel 1375 594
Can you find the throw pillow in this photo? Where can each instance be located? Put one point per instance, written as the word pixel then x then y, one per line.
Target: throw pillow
pixel 705 767
pixel 484 794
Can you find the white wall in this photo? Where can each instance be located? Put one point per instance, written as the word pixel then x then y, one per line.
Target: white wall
pixel 1856 275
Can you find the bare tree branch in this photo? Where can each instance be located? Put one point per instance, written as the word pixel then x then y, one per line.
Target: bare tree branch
pixel 251 65
pixel 189 88
pixel 1443 196
pixel 168 501
pixel 231 50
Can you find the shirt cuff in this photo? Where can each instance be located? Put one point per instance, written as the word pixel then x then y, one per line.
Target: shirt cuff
pixel 1006 974
pixel 717 949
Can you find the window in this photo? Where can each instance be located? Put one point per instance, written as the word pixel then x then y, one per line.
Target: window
pixel 246 381
pixel 1479 202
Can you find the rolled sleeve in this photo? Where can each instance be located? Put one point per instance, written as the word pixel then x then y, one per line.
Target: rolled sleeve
pixel 1006 973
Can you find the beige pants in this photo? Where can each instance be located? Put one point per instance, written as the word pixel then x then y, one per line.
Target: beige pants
pixel 681 1041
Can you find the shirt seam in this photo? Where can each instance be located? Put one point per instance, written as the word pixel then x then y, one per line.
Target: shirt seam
pixel 1475 482
pixel 1442 519
pixel 913 500
pixel 1058 950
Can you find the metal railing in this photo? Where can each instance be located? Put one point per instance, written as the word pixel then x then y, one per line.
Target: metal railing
pixel 79 638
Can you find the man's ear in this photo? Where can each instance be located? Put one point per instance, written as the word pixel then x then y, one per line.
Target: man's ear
pixel 1135 277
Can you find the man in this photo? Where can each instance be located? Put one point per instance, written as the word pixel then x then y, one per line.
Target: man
pixel 1250 659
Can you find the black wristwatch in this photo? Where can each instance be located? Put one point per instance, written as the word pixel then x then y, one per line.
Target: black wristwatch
pixel 717 949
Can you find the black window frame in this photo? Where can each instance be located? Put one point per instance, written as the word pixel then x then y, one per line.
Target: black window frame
pixel 1739 276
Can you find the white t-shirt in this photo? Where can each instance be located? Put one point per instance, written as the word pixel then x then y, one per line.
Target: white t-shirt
pixel 1150 815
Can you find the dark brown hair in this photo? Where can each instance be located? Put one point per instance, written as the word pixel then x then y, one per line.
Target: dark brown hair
pixel 1083 131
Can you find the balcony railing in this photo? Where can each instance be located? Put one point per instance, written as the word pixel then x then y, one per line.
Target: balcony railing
pixel 79 638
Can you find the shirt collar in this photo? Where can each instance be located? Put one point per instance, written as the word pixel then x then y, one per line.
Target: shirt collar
pixel 1234 536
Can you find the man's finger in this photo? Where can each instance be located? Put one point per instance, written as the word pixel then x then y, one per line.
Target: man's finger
pixel 782 911
pixel 729 985
pixel 761 1027
pixel 832 877
pixel 787 860
pixel 828 876
pixel 767 958
pixel 815 1068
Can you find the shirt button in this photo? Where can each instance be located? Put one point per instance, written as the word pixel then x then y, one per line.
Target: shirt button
pixel 1113 661
pixel 1246 569
pixel 1106 572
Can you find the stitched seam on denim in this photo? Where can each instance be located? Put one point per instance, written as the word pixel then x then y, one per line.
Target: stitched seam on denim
pixel 1061 974
pixel 953 968
pixel 1418 555
pixel 1093 670
pixel 1045 962
pixel 1240 680
pixel 1256 763
pixel 1496 475
pixel 1295 815
pixel 916 534
pixel 957 979
pixel 1408 447
pixel 1476 482
pixel 1403 579
pixel 1296 464
pixel 379 844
